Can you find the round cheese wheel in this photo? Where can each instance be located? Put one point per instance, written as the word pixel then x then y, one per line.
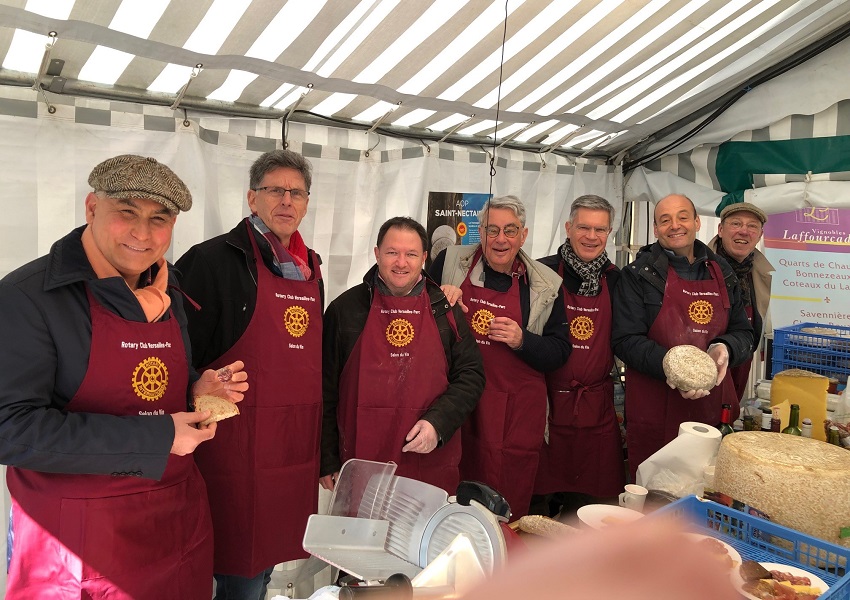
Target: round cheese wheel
pixel 689 368
pixel 798 482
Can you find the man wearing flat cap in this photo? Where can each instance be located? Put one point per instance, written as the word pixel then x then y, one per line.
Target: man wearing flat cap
pixel 94 391
pixel 740 230
pixel 261 294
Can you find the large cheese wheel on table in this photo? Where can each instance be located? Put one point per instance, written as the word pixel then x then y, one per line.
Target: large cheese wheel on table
pixel 798 482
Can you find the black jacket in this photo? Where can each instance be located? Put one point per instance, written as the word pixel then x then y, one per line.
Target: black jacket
pixel 221 275
pixel 45 328
pixel 344 321
pixel 637 302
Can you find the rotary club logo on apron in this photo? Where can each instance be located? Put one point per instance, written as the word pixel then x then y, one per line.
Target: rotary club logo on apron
pixel 481 321
pixel 581 328
pixel 701 311
pixel 150 379
pixel 296 319
pixel 400 332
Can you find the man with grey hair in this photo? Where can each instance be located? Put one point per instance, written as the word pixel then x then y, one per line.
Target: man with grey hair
pixel 583 457
pixel 261 295
pixel 740 230
pixel 94 420
pixel 515 308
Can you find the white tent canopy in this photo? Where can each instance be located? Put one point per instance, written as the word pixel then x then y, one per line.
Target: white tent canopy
pixel 591 75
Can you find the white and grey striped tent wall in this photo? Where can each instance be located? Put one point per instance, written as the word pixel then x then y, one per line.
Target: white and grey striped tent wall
pixel 359 180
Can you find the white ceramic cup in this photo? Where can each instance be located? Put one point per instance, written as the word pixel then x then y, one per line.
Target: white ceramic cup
pixel 634 497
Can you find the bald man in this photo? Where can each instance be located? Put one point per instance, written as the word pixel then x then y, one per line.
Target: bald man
pixel 677 291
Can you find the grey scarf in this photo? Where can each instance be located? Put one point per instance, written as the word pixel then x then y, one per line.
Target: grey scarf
pixel 588 271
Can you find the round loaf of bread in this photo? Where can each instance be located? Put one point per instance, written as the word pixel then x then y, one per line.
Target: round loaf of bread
pixel 689 368
pixel 797 482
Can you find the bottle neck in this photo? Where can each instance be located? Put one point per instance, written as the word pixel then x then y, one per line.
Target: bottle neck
pixel 794 420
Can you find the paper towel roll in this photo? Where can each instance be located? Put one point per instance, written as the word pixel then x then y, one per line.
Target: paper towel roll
pixel 678 467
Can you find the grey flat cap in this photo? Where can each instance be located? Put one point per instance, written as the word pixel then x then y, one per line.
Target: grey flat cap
pixel 744 206
pixel 131 176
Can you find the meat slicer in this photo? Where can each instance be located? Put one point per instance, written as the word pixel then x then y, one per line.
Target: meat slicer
pixel 380 524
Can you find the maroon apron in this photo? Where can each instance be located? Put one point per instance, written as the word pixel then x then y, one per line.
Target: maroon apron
pixel 741 373
pixel 692 312
pixel 394 373
pixel 117 537
pixel 501 440
pixel 585 449
pixel 262 468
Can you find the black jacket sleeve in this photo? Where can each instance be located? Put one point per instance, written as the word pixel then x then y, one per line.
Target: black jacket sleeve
pixel 632 321
pixel 550 350
pixel 199 282
pixel 332 363
pixel 739 333
pixel 35 431
pixel 466 376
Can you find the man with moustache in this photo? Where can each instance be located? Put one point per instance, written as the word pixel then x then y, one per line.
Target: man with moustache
pixel 401 370
pixel 516 311
pixel 677 291
pixel 583 457
pixel 740 230
pixel 260 293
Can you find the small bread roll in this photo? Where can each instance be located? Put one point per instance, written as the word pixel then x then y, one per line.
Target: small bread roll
pixel 219 408
pixel 690 368
pixel 544 526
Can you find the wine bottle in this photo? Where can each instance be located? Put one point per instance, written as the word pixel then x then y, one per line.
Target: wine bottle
pixel 834 438
pixel 775 421
pixel 794 421
pixel 725 425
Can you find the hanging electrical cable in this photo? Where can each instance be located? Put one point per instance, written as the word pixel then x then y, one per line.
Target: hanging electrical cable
pixel 498 99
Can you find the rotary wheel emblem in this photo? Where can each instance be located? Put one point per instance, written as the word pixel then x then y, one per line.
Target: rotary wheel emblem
pixel 581 328
pixel 150 379
pixel 400 332
pixel 481 321
pixel 296 320
pixel 701 312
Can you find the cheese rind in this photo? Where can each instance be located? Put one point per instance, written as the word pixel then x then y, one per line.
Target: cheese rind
pixel 798 482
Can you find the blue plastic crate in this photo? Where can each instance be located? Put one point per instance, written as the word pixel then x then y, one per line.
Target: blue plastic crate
pixel 763 541
pixel 824 353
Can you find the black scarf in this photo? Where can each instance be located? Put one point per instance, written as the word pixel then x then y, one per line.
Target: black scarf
pixel 588 271
pixel 742 271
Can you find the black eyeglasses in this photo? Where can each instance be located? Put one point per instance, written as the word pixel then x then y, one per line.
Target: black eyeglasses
pixel 510 230
pixel 279 192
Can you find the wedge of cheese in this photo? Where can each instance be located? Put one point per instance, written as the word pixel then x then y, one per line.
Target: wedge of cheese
pixel 804 589
pixel 798 482
pixel 806 389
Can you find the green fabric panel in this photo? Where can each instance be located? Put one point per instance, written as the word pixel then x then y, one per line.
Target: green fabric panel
pixel 737 161
pixel 731 198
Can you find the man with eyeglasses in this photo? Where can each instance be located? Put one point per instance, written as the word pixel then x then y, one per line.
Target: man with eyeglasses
pixel 583 457
pixel 515 308
pixel 401 370
pixel 676 292
pixel 740 230
pixel 261 295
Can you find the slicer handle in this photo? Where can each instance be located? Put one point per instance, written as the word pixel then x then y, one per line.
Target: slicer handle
pixel 397 587
pixel 484 495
